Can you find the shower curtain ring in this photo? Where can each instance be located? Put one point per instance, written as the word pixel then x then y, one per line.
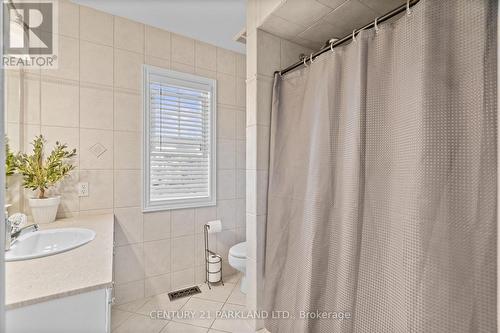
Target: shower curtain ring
pixel 376 25
pixel 408 11
pixel 311 60
pixel 304 60
pixel 354 35
pixel 331 46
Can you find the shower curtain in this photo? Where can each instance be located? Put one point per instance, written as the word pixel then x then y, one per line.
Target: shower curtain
pixel 382 181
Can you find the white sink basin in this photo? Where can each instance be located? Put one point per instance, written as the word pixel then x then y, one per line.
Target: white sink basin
pixel 48 242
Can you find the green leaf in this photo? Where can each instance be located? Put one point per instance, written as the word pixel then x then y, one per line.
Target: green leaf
pixel 40 174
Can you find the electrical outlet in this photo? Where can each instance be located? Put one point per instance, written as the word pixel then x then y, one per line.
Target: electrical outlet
pixel 83 189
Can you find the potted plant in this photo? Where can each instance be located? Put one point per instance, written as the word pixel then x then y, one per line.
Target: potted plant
pixel 39 174
pixel 10 159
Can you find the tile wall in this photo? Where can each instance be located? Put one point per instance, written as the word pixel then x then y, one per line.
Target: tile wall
pixel 93 103
pixel 266 53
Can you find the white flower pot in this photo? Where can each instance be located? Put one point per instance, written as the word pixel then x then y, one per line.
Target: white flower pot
pixel 44 210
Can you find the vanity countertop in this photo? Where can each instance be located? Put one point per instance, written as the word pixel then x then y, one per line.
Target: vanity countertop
pixel 88 267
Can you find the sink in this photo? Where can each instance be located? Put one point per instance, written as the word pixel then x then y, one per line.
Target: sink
pixel 48 242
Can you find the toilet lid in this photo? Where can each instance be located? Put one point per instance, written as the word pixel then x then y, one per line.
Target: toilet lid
pixel 239 250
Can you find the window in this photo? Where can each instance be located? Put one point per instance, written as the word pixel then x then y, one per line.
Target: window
pixel 179 140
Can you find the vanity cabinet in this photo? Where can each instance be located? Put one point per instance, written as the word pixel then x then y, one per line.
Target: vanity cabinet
pixel 88 312
pixel 68 292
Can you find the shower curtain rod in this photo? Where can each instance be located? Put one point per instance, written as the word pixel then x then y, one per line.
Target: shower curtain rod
pixel 380 19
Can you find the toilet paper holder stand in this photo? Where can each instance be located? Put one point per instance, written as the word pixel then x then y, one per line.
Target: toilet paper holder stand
pixel 209 253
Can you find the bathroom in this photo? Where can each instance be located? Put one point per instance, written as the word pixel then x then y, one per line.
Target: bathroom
pixel 249 166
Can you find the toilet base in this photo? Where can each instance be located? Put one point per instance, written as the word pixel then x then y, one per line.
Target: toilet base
pixel 244 285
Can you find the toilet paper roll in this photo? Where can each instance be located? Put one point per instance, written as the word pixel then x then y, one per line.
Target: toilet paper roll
pixel 215 226
pixel 214 269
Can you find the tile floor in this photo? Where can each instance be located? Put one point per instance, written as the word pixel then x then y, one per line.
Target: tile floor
pixel 134 317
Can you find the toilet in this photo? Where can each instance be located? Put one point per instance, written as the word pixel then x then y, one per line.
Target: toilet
pixel 238 260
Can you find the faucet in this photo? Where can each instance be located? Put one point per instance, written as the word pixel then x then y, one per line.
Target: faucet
pixel 12 230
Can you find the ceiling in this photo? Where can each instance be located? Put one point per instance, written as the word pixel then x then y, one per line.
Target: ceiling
pixel 212 21
pixel 312 22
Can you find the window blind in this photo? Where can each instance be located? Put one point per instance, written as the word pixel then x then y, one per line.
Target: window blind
pixel 180 141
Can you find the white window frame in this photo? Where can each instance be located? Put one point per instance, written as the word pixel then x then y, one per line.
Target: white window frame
pixel 170 75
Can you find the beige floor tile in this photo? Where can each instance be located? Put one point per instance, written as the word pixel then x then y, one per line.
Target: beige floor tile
pixel 218 293
pixel 174 327
pixel 234 278
pixel 232 323
pixel 217 331
pixel 118 317
pixel 162 303
pixel 237 297
pixel 132 306
pixel 143 324
pixel 204 312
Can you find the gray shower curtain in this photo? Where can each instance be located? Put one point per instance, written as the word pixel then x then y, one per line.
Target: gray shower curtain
pixel 382 181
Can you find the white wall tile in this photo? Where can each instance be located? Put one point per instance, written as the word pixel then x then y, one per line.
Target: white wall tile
pixel 128 226
pixel 157 257
pixel 226 184
pixel 226 154
pixel 103 70
pixel 290 52
pixel 96 26
pixel 96 107
pixel 206 56
pixel 240 213
pixel 127 150
pixel 319 32
pixel 182 253
pixel 182 279
pixel 59 104
pixel 64 135
pixel 157 225
pixel 96 63
pixel 226 61
pixel 302 12
pixel 241 66
pixel 226 89
pixel 268 53
pixel 31 101
pixel 281 27
pixel 157 42
pixel 182 49
pixel 181 67
pixel 157 62
pixel 225 239
pixel 182 222
pixel 68 60
pixel 69 19
pixel 240 92
pixel 240 125
pixel 226 122
pixel 127 111
pixel 96 149
pixel 240 183
pixel 127 292
pixel 240 154
pixel 349 16
pixel 206 73
pixel 128 263
pixel 127 188
pixel 129 35
pixel 226 212
pixel 127 70
pixel 100 189
pixel 157 285
pixel 202 216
